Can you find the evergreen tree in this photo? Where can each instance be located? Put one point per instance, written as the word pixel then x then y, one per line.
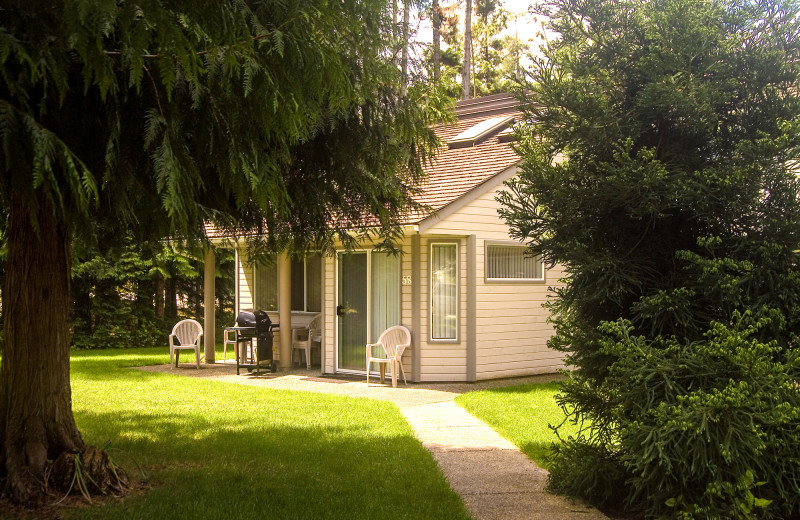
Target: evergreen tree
pixel 489 48
pixel 284 118
pixel 466 67
pixel 660 146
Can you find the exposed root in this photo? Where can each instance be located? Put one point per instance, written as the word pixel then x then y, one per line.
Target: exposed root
pixel 89 473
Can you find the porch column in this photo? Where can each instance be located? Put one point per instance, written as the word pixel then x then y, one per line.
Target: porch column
pixel 209 298
pixel 285 309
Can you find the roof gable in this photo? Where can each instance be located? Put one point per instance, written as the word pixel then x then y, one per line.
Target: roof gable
pixel 458 170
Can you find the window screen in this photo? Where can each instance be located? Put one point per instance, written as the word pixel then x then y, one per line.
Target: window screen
pixel 507 262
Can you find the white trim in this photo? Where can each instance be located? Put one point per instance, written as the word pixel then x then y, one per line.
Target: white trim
pixel 470 196
pixel 491 280
pixel 339 253
pixel 236 267
pixel 456 243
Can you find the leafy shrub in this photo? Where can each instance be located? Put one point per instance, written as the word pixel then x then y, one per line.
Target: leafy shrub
pixel 588 470
pixel 706 429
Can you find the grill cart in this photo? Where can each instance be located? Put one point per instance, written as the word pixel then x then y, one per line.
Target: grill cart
pixel 254 324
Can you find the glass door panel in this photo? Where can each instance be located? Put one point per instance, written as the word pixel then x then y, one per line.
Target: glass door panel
pixel 352 311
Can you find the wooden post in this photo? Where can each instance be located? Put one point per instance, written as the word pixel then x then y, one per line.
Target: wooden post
pixel 209 298
pixel 285 310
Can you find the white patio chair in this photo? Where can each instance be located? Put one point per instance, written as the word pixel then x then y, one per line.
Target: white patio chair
pixel 302 337
pixel 394 340
pixel 228 338
pixel 188 334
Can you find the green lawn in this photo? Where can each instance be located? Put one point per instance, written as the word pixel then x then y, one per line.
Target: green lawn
pixel 522 414
pixel 220 450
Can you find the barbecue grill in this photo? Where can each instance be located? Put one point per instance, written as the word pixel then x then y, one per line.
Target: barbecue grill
pixel 255 324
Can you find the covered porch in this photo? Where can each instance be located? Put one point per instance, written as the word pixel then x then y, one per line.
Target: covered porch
pixel 284 288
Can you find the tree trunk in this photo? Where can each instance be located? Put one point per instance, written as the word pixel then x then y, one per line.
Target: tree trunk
pixel 170 299
pixel 404 60
pixel 436 18
pixel 396 48
pixel 36 421
pixel 159 297
pixel 198 298
pixel 145 296
pixel 465 70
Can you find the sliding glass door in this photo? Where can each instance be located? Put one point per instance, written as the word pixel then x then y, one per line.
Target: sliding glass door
pixel 368 303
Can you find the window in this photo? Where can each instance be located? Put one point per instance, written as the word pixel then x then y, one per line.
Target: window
pixel 266 297
pixel 444 291
pixel 385 285
pixel 306 285
pixel 512 263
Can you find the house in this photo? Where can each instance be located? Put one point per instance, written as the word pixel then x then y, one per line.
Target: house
pixel 470 295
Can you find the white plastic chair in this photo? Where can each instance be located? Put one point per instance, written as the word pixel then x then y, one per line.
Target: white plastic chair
pixel 228 338
pixel 188 334
pixel 394 340
pixel 302 337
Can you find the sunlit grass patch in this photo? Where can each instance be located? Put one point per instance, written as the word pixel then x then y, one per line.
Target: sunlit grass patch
pixel 522 414
pixel 207 449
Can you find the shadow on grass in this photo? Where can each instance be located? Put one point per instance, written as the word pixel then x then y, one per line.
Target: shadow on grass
pixel 217 450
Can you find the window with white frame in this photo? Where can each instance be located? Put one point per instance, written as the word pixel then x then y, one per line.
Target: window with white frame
pixel 444 291
pixel 512 263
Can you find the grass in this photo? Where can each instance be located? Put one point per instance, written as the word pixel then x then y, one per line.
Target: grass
pixel 205 449
pixel 522 414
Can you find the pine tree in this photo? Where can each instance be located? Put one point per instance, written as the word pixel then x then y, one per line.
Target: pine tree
pixel 659 168
pixel 285 118
pixel 466 66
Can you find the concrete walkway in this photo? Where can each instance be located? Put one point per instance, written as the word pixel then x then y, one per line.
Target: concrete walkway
pixel 493 477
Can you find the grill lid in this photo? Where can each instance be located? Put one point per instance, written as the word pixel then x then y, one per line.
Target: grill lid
pixel 254 318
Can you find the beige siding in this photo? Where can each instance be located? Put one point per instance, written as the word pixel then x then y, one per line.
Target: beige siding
pixel 406 304
pixel 329 310
pixel 440 360
pixel 246 282
pixel 511 324
pixel 478 217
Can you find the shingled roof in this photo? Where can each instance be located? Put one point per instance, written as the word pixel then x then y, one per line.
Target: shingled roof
pixel 465 165
pixel 457 170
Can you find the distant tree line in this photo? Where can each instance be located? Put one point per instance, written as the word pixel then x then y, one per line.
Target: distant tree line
pixel 130 294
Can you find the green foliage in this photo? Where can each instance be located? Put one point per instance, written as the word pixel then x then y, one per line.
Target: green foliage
pixel 115 291
pixel 285 117
pixel 489 48
pixel 704 429
pixel 660 142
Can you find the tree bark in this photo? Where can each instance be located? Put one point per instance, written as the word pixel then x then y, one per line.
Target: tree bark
pixel 36 421
pixel 159 297
pixel 396 50
pixel 404 59
pixel 466 69
pixel 436 16
pixel 39 440
pixel 170 298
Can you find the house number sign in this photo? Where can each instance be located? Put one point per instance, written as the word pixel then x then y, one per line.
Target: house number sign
pixel 406 279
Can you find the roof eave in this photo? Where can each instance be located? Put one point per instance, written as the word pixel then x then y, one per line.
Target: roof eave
pixel 467 197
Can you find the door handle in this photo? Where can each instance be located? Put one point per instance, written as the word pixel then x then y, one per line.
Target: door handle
pixel 340 310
